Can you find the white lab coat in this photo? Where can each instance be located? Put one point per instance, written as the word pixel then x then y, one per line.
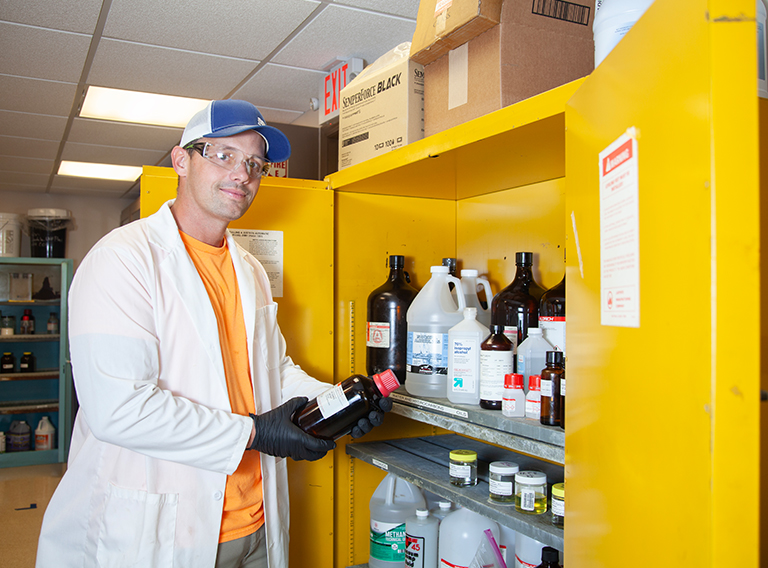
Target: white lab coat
pixel 154 439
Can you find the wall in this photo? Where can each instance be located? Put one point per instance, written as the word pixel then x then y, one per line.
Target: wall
pixel 304 160
pixel 93 217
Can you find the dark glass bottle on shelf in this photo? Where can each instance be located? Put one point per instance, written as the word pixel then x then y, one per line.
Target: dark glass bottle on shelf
pixel 8 363
pixel 515 307
pixel 496 361
pixel 386 329
pixel 550 558
pixel 27 363
pixel 27 325
pixel 334 413
pixel 550 389
pixel 552 315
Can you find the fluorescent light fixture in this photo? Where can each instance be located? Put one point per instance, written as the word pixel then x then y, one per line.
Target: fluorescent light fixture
pixel 99 171
pixel 138 107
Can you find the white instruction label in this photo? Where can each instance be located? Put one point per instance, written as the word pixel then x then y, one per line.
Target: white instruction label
pixel 377 335
pixel 332 401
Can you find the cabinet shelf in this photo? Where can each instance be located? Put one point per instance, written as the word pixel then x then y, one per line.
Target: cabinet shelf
pixel 37 375
pixel 32 457
pixel 54 302
pixel 518 434
pixel 424 462
pixel 29 406
pixel 32 338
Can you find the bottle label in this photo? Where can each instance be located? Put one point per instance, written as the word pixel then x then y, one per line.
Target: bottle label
pixel 553 330
pixel 7 366
pixel 427 353
pixel 462 471
pixel 445 564
pixel 377 335
pixel 388 541
pixel 509 406
pixel 527 499
pixel 562 387
pixel 414 551
pixel 332 401
pixel 511 333
pixel 493 366
pixel 533 408
pixel 500 487
pixel 465 372
pixel 43 442
pixel 546 387
pixel 524 564
pixel 558 507
pixel 53 327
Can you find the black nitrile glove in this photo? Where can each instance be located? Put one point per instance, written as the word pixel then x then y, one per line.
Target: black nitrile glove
pixel 277 435
pixel 374 418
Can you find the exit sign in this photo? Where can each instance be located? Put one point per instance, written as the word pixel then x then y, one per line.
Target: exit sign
pixel 333 83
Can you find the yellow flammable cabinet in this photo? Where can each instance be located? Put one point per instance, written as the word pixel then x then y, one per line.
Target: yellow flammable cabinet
pixel 662 448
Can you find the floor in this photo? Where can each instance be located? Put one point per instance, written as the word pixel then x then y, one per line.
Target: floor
pixel 24 495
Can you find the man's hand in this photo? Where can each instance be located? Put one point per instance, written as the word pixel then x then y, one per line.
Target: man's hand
pixel 374 418
pixel 277 435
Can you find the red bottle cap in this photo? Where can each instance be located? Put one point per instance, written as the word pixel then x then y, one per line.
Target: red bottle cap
pixel 513 381
pixel 386 382
pixel 534 382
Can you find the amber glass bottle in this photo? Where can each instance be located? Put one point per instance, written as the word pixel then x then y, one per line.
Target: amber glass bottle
pixel 552 315
pixel 516 307
pixel 550 389
pixel 495 362
pixel 386 337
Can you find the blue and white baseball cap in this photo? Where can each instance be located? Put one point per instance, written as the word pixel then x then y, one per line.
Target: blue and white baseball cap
pixel 229 117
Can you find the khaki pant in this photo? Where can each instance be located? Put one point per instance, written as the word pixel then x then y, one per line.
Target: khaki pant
pixel 246 552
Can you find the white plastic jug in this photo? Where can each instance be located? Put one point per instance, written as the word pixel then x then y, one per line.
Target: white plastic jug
pixel 431 314
pixel 45 435
pixel 460 534
pixel 612 22
pixel 421 540
pixel 470 282
pixel 464 339
pixel 528 552
pixel 532 354
pixel 392 503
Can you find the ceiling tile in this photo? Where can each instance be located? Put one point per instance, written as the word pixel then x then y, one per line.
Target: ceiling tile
pixel 29 125
pixel 36 96
pixel 281 87
pixel 276 117
pixel 36 180
pixel 124 65
pixel 20 188
pixel 25 165
pixel 238 28
pixel 88 186
pixel 70 15
pixel 43 54
pixel 107 133
pixel 28 147
pixel 340 32
pixel 405 8
pixel 110 155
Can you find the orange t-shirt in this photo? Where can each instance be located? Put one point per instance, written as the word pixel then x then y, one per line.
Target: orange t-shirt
pixel 243 498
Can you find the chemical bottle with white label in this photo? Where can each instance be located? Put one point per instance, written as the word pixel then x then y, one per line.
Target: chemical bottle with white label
pixel 532 354
pixel 334 413
pixel 391 504
pixel 431 314
pixel 421 540
pixel 552 315
pixel 386 334
pixel 612 22
pixel 19 436
pixel 461 533
pixel 442 510
pixel 45 435
pixel 533 398
pixel 471 283
pixel 495 363
pixel 513 400
pixel 550 389
pixel 527 551
pixel 464 341
pixel 516 307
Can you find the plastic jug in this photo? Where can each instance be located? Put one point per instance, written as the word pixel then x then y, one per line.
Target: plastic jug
pixel 460 534
pixel 431 314
pixel 527 552
pixel 612 22
pixel 421 540
pixel 18 438
pixel 45 435
pixel 442 510
pixel 470 282
pixel 391 504
pixel 532 354
pixel 464 339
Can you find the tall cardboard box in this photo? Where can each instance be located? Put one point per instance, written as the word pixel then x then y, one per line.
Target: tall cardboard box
pixel 535 48
pixel 442 25
pixel 381 111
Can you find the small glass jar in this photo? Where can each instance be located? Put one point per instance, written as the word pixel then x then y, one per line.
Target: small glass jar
pixel 558 505
pixel 8 325
pixel 463 468
pixel 531 492
pixel 501 476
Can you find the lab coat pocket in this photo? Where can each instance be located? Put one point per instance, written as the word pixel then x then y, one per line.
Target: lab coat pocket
pixel 268 336
pixel 138 529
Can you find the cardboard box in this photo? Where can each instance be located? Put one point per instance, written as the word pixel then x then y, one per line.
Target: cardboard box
pixel 381 111
pixel 539 45
pixel 443 25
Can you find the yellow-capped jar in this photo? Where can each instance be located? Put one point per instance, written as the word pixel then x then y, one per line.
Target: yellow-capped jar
pixel 558 505
pixel 463 468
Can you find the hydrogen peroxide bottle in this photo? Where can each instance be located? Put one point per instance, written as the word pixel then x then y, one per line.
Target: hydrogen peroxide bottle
pixel 334 413
pixel 431 315
pixel 464 340
pixel 386 337
pixel 391 504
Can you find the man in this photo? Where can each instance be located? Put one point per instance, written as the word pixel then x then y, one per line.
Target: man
pixel 186 392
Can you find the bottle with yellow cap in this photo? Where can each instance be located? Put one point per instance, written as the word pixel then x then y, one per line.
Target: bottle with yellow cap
pixel 558 505
pixel 463 468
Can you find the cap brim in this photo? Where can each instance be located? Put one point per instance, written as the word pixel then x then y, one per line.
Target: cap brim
pixel 279 148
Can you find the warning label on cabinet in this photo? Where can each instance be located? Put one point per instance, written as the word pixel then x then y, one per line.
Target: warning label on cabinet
pixel 619 233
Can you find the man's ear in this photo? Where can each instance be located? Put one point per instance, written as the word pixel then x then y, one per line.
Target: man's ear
pixel 180 160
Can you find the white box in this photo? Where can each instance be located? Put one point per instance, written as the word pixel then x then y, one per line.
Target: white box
pixel 381 112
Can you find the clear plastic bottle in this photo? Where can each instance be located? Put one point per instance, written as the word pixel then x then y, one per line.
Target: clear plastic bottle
pixel 464 340
pixel 460 535
pixel 391 504
pixel 495 363
pixel 513 401
pixel 442 510
pixel 386 329
pixel 421 533
pixel 431 314
pixel 470 283
pixel 532 354
pixel 533 398
pixel 334 413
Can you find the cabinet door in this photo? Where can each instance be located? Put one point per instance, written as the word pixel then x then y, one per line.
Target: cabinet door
pixel 662 457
